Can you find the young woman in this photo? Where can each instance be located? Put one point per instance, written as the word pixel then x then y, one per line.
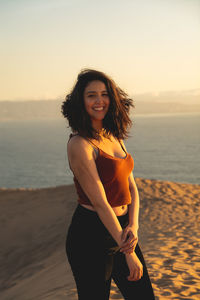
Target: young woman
pixel 102 240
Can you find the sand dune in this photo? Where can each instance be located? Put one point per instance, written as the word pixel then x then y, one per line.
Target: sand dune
pixel 33 226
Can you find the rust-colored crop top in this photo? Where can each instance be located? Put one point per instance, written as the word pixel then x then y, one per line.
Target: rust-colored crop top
pixel 114 173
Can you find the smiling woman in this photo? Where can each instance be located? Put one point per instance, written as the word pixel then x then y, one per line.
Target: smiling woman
pixel 102 240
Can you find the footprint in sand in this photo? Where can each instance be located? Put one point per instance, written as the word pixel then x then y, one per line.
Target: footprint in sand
pixel 168 262
pixel 165 281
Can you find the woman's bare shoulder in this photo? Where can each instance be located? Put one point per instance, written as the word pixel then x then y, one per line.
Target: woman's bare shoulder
pixel 78 146
pixel 76 141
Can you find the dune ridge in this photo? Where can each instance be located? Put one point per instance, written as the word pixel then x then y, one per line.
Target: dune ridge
pixel 33 227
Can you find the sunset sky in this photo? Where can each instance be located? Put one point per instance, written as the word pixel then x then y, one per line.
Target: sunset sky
pixel 147 46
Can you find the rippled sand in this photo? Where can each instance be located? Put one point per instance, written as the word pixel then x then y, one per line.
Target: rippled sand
pixel 33 226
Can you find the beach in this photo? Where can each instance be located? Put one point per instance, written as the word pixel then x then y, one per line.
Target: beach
pixel 33 228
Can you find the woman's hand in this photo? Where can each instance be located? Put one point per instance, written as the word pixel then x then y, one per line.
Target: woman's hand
pixel 135 267
pixel 129 240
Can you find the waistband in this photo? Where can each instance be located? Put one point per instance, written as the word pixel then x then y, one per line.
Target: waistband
pixel 82 209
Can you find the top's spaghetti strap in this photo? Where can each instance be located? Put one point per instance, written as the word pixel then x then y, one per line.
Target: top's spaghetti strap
pixel 122 145
pixel 72 134
pixel 92 143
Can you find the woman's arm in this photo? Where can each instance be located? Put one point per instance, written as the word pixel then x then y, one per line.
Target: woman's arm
pixel 134 206
pixel 83 165
pixel 132 229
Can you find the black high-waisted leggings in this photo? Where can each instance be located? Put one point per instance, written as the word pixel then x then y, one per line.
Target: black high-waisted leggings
pixel 95 259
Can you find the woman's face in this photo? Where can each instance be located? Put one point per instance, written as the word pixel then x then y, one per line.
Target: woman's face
pixel 96 100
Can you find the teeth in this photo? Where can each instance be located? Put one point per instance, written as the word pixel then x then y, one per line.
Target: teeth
pixel 98 108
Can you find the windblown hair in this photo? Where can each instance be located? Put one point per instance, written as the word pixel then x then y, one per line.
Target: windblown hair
pixel 116 121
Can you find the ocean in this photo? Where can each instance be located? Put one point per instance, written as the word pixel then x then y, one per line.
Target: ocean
pixel 164 147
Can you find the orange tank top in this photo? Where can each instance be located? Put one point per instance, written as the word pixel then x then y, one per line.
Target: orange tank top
pixel 114 173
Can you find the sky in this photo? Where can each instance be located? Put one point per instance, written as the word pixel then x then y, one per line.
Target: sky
pixel 146 46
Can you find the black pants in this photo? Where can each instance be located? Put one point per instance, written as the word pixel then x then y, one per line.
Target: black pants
pixel 95 259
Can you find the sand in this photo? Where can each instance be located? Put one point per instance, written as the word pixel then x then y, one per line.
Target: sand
pixel 33 227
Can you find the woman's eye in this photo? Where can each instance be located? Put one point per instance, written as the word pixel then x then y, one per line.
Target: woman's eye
pixel 92 96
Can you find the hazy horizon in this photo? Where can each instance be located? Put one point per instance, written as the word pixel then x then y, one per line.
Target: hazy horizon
pixel 185 97
pixel 51 109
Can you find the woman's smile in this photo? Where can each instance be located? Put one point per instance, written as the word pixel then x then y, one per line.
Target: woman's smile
pixel 98 108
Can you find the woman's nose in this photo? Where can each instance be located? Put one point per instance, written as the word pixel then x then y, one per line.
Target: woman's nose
pixel 99 99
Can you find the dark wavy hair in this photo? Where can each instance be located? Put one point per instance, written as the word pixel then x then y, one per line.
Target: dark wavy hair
pixel 116 121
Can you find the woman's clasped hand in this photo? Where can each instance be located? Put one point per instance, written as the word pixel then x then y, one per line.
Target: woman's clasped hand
pixel 129 240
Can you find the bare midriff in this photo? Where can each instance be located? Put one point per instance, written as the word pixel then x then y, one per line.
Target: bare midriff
pixel 118 210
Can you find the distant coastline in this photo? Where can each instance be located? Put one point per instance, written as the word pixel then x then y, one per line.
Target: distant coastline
pixel 167 114
pixel 51 109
